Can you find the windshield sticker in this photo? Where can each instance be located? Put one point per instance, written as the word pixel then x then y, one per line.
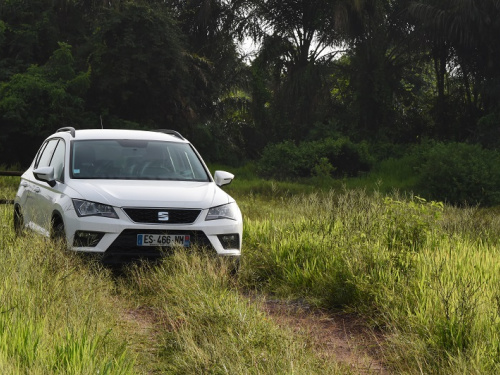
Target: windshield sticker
pixel 76 171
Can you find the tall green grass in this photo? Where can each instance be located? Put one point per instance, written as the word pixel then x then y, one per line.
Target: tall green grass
pixel 185 315
pixel 55 312
pixel 423 273
pixel 209 327
pixel 8 185
pixel 426 274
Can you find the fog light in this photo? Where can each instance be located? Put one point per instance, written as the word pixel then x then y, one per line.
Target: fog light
pixel 87 239
pixel 229 241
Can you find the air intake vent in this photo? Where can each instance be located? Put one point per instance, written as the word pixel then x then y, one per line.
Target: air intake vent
pixel 162 215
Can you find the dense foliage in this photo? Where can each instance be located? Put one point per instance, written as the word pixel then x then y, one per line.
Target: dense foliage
pixel 384 72
pixel 460 174
pixel 329 157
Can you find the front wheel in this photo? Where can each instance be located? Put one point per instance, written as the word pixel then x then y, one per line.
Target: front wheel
pixel 58 234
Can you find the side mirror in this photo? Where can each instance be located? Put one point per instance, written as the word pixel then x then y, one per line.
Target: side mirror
pixel 223 178
pixel 45 174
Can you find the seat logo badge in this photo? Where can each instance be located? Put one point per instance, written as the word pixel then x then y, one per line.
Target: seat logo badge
pixel 163 216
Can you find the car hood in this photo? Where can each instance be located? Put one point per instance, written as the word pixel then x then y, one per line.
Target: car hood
pixel 125 193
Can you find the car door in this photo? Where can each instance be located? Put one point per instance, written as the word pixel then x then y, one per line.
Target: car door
pixel 44 195
pixel 29 188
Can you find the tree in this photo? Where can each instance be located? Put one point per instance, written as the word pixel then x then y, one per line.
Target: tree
pixel 466 54
pixel 296 38
pixel 139 68
pixel 35 103
pixel 30 34
pixel 385 69
pixel 219 76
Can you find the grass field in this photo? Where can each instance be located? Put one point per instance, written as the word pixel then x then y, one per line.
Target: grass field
pixel 424 275
pixel 61 313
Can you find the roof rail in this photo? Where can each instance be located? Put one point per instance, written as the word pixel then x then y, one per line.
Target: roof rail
pixel 67 129
pixel 171 132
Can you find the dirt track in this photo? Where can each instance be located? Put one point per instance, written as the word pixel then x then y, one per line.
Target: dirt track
pixel 339 337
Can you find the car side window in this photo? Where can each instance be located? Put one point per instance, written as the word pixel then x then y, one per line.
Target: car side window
pixel 58 160
pixel 46 156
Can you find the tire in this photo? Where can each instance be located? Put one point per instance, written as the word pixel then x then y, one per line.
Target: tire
pixel 18 222
pixel 58 234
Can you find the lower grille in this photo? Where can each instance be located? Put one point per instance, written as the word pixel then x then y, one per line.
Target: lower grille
pixel 229 241
pixel 126 243
pixel 87 239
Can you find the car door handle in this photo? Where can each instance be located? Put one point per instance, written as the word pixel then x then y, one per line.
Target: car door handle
pixel 36 189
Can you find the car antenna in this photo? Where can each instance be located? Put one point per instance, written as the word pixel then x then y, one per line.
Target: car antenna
pixel 100 116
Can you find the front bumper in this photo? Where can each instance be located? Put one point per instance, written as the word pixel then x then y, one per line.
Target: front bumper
pixel 119 236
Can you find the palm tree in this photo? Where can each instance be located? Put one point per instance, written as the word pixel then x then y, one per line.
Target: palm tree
pixel 463 34
pixel 297 40
pixel 382 53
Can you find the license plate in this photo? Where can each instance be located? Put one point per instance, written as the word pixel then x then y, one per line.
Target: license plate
pixel 165 240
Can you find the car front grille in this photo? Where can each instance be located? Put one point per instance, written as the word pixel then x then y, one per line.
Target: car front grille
pixel 162 215
pixel 126 243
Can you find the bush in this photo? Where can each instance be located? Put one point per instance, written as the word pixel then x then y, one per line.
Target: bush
pixel 288 161
pixel 460 173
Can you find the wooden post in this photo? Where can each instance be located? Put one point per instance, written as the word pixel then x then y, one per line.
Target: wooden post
pixel 10 173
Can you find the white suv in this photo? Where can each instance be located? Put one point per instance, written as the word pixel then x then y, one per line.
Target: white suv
pixel 127 193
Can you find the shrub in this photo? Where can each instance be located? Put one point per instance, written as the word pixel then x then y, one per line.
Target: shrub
pixel 409 223
pixel 281 161
pixel 460 173
pixel 287 160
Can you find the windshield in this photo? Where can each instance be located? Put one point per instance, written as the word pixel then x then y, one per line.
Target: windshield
pixel 135 160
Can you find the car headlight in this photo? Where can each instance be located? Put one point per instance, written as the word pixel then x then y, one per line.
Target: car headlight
pixel 226 211
pixel 86 208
